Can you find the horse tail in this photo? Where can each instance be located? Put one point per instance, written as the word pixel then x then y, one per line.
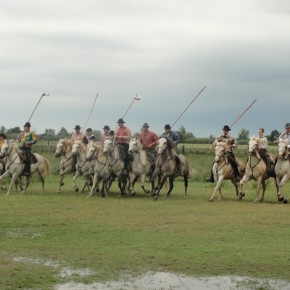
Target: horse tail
pixel 191 172
pixel 47 168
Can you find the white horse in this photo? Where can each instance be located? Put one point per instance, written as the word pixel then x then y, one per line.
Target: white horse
pixel 15 166
pixel 256 169
pixel 166 166
pixel 96 154
pixel 282 167
pixel 141 166
pixel 82 166
pixel 114 166
pixel 222 169
pixel 64 150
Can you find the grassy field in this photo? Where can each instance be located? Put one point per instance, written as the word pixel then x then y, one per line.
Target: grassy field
pixel 42 234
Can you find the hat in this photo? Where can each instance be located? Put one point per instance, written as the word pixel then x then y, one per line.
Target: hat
pixel 226 128
pixel 145 125
pixel 77 127
pixel 167 126
pixel 120 121
pixel 287 125
pixel 89 130
pixel 3 135
pixel 27 124
pixel 111 133
pixel 106 127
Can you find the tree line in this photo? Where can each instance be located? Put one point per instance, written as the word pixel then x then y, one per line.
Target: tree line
pixel 185 136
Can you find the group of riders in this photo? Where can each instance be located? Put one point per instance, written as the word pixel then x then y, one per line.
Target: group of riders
pixel 122 136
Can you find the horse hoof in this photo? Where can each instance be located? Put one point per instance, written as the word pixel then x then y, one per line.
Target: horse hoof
pixel 285 201
pixel 281 198
pixel 62 184
pixel 76 190
pixel 210 200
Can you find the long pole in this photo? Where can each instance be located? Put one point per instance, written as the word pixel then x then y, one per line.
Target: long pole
pixel 37 105
pixel 90 112
pixel 188 106
pixel 136 98
pixel 239 117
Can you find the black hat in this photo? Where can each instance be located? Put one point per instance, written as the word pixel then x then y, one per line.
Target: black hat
pixel 120 121
pixel 77 127
pixel 287 125
pixel 111 133
pixel 106 127
pixel 226 128
pixel 145 125
pixel 167 126
pixel 3 135
pixel 27 124
pixel 89 130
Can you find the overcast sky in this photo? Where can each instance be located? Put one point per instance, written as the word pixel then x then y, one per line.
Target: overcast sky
pixel 166 51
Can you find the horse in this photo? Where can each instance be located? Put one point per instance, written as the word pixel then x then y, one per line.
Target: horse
pixel 256 169
pixel 141 166
pixel 223 170
pixel 15 166
pixel 114 166
pixel 95 152
pixel 282 166
pixel 168 165
pixel 64 150
pixel 82 166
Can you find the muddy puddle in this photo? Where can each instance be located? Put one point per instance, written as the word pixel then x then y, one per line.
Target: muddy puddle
pixel 154 281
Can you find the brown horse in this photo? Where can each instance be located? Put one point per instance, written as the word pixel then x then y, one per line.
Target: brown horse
pixel 256 169
pixel 168 165
pixel 223 170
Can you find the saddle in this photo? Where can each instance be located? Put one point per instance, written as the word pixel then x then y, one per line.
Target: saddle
pixel 33 158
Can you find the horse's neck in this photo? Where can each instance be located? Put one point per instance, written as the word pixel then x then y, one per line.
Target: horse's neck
pixel 100 156
pixel 140 156
pixel 82 155
pixel 13 156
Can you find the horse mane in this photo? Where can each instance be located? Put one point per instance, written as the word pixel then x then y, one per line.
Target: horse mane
pixel 170 144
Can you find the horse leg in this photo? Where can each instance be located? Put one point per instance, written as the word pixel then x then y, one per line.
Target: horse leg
pixel 143 180
pixel 41 178
pixel 284 179
pixel 74 180
pixel 236 188
pixel 241 187
pixel 279 196
pixel 263 190
pixel 258 190
pixel 217 188
pixel 171 179
pixel 95 180
pixel 12 182
pixel 185 178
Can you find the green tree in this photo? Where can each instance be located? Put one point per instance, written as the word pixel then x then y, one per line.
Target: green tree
pixel 185 137
pixel 13 130
pixel 63 133
pixel 243 134
pixel 274 135
pixel 50 132
pixel 2 129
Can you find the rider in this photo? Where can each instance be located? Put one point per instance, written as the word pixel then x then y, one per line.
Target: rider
pixel 106 135
pixel 225 137
pixel 123 135
pixel 285 136
pixel 149 140
pixel 76 136
pixel 89 136
pixel 26 140
pixel 168 133
pixel 3 137
pixel 262 148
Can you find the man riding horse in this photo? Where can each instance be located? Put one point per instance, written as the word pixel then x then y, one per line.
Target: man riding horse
pixel 26 140
pixel 262 148
pixel 226 138
pixel 285 136
pixel 149 140
pixel 123 136
pixel 76 136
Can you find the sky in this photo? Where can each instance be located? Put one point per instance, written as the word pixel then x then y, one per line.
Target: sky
pixel 165 51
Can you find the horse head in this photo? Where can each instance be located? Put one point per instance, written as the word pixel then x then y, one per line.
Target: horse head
pixel 108 146
pixel 4 149
pixel 253 145
pixel 162 145
pixel 91 150
pixel 76 147
pixel 220 150
pixel 60 148
pixel 133 145
pixel 282 148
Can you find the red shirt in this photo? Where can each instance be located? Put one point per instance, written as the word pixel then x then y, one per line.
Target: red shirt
pixel 148 139
pixel 123 135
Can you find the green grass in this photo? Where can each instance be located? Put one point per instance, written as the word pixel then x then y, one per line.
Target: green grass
pixel 113 236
